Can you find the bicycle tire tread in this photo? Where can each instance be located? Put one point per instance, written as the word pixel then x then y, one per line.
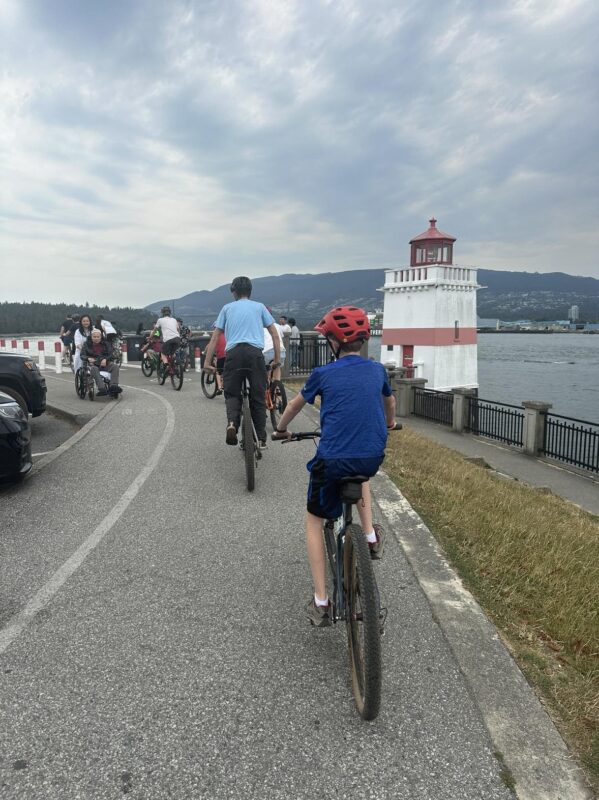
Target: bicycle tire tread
pixel 368 703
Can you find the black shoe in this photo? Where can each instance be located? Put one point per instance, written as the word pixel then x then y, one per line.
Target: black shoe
pixel 231 436
pixel 102 393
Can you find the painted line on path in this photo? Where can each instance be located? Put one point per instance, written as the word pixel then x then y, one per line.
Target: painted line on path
pixel 17 624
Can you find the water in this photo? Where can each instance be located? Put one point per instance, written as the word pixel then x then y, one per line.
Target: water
pixel 558 368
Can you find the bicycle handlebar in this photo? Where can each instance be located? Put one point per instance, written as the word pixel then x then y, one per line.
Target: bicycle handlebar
pixel 301 435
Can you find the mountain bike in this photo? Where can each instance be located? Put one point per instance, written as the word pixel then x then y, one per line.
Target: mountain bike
pixel 209 383
pixel 276 397
pixel 150 362
pixel 355 597
pixel 173 369
pixel 249 443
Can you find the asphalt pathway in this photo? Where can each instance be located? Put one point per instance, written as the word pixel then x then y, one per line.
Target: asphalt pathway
pixel 152 641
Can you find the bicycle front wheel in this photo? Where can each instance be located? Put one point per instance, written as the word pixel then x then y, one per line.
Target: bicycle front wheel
pixel 177 377
pixel 279 402
pixel 147 366
pixel 208 381
pixel 248 446
pixel 363 623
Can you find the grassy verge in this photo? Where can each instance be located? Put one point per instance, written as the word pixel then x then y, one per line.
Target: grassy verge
pixel 532 561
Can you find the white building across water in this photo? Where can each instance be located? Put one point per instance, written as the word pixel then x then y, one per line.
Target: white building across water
pixel 429 321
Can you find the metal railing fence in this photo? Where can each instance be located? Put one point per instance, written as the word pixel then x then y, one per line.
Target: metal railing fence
pixel 432 404
pixel 574 441
pixel 302 356
pixel 499 421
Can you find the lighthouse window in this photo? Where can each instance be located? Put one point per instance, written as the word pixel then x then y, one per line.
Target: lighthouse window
pixel 456 334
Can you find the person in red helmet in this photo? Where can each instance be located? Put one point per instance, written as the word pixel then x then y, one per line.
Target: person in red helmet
pixel 357 410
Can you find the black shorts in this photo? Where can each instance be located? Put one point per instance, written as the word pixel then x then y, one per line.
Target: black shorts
pixel 323 490
pixel 169 347
pixel 220 365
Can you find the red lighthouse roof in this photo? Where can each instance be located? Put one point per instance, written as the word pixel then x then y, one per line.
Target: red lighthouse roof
pixel 433 233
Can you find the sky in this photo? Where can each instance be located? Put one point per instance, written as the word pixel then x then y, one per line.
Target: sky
pixel 151 149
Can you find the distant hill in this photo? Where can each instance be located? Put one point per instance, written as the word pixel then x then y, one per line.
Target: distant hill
pixel 506 295
pixel 45 317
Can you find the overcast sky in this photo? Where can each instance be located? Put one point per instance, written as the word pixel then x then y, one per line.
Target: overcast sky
pixel 150 149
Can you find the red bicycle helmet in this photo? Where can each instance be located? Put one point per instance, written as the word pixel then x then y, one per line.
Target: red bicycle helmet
pixel 345 323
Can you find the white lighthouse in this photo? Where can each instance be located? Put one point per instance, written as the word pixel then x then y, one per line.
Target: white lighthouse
pixel 429 323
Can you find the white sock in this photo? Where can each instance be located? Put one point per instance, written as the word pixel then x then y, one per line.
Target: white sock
pixel 320 602
pixel 371 537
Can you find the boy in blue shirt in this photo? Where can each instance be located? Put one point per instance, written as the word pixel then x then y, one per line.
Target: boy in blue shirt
pixel 357 410
pixel 243 322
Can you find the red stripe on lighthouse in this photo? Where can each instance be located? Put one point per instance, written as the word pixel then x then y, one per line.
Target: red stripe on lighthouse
pixel 429 337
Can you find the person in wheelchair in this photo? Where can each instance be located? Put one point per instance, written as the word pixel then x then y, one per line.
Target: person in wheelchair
pixel 98 354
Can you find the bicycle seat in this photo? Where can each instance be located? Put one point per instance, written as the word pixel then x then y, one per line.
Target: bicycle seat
pixel 354 479
pixel 351 488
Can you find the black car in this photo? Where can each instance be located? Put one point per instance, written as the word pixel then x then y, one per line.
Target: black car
pixel 15 439
pixel 21 379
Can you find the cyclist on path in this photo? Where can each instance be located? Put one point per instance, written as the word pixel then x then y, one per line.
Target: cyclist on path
pixel 169 328
pixel 243 322
pixel 357 410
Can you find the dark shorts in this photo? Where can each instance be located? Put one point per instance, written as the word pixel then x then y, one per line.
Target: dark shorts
pixel 67 340
pixel 323 489
pixel 169 347
pixel 220 364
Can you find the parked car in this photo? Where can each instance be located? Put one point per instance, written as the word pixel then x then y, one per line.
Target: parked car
pixel 15 439
pixel 21 379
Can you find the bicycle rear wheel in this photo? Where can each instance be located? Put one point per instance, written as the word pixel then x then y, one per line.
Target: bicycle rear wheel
pixel 363 623
pixel 279 402
pixel 247 434
pixel 177 377
pixel 208 381
pixel 147 366
pixel 161 372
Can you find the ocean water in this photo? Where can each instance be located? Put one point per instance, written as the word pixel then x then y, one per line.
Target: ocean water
pixel 557 368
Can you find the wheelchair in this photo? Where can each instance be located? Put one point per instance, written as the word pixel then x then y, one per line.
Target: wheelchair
pixel 85 386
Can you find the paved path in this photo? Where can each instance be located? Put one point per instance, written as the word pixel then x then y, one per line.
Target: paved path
pixel 152 641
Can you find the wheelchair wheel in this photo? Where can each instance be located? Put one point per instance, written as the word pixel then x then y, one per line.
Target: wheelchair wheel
pixel 80 383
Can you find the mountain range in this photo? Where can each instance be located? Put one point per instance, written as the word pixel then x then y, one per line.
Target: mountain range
pixel 504 295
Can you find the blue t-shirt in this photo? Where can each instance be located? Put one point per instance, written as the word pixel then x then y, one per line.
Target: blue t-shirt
pixel 243 321
pixel 352 418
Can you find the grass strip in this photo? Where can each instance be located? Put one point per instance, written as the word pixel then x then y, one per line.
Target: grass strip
pixel 531 559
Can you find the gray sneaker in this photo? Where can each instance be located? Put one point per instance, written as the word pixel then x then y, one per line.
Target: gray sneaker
pixel 319 616
pixel 376 548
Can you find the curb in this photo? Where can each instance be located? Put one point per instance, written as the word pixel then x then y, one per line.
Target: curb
pixel 77 419
pixel 523 735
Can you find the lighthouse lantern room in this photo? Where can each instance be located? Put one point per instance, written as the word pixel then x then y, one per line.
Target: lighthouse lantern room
pixel 429 321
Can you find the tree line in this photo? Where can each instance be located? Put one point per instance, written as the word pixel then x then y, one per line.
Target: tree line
pixel 48 317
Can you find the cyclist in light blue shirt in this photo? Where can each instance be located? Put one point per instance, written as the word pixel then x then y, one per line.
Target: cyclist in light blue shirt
pixel 243 322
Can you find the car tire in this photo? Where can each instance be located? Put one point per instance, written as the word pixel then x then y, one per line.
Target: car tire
pixel 16 396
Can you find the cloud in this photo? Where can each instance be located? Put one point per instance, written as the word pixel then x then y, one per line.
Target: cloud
pixel 174 142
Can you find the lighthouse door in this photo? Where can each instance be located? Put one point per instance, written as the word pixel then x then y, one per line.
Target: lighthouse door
pixel 408 359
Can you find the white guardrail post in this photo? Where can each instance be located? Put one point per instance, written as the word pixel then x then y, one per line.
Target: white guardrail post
pixel 58 356
pixel 41 354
